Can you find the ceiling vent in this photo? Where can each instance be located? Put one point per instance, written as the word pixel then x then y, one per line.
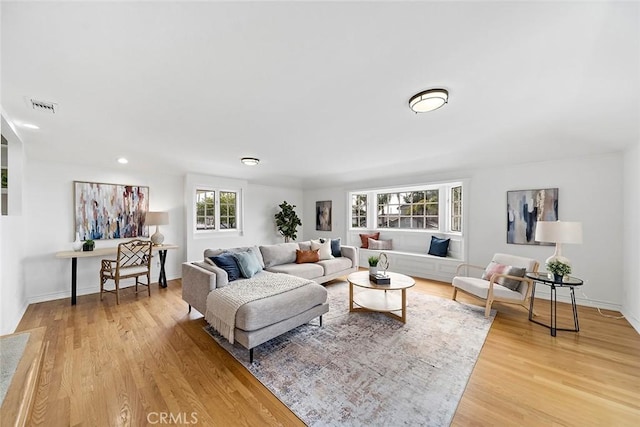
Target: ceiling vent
pixel 44 106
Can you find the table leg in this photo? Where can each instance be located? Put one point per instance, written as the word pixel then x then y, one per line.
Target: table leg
pixel 575 310
pixel 350 296
pixel 404 306
pixel 533 297
pixel 162 280
pixel 554 314
pixel 74 279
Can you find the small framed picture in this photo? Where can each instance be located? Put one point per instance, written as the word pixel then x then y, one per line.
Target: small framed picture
pixel 323 215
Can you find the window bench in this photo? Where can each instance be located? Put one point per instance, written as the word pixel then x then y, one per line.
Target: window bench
pixel 416 264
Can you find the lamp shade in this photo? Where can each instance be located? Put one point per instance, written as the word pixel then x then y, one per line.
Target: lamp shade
pixel 157 218
pixel 558 232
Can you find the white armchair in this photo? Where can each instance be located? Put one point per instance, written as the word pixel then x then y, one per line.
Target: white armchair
pixel 491 288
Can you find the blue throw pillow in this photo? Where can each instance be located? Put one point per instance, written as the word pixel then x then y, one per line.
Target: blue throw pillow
pixel 247 263
pixel 228 263
pixel 439 247
pixel 335 248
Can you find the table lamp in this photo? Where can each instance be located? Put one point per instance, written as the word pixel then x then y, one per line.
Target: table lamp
pixel 558 232
pixel 157 219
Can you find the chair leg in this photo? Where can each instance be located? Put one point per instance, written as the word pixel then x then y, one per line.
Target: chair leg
pixel 189 308
pixel 455 293
pixel 149 284
pixel 101 286
pixel 117 290
pixel 487 310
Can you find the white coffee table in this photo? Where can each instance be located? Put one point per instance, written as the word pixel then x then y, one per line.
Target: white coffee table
pixel 380 298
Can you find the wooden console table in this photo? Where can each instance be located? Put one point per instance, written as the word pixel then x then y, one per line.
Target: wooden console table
pixel 105 252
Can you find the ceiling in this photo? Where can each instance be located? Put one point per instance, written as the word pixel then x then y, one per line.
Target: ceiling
pixel 319 90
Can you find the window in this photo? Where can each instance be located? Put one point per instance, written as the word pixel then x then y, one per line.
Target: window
pixel 227 210
pixel 359 211
pixel 456 208
pixel 408 210
pixel 436 207
pixel 216 210
pixel 205 210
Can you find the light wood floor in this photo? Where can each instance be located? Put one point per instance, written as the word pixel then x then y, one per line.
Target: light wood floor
pixel 111 365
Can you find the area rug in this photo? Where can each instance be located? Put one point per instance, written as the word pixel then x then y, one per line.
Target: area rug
pixel 11 350
pixel 366 369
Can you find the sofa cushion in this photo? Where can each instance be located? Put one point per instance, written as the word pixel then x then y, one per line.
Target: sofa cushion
pixel 306 271
pixel 267 311
pixel 364 239
pixel 282 253
pixel 479 287
pixel 228 263
pixel 323 248
pixel 335 265
pixel 248 263
pixel 306 256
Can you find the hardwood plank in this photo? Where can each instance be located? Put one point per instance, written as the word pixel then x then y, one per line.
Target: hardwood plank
pixel 118 365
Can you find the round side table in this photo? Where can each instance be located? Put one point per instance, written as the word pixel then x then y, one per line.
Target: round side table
pixel 571 283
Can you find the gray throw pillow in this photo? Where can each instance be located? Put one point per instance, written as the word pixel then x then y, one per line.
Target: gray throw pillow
pixel 512 283
pixel 247 263
pixel 380 244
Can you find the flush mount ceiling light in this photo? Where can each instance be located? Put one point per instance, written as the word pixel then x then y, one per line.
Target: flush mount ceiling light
pixel 123 161
pixel 250 161
pixel 29 126
pixel 428 100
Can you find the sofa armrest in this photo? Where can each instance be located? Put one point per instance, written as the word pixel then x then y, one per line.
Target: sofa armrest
pixel 350 252
pixel 197 282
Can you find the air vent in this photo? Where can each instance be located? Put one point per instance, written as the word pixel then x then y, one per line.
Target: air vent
pixel 44 106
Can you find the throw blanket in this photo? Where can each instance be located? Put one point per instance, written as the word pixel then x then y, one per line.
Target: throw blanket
pixel 223 303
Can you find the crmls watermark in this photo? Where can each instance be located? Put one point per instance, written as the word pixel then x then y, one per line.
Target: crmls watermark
pixel 181 418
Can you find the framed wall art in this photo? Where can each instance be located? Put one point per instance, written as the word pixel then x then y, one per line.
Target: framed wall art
pixel 110 211
pixel 524 209
pixel 323 215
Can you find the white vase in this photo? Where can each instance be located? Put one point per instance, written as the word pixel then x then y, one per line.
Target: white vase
pixel 373 270
pixel 77 244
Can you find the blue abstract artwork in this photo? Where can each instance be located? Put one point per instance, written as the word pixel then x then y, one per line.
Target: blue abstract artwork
pixel 524 209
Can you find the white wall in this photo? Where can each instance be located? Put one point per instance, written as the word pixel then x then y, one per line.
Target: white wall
pixel 631 191
pixel 339 209
pixel 13 299
pixel 590 191
pixel 49 219
pixel 257 227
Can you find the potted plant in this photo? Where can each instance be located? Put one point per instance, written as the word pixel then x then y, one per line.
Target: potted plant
pixel 373 264
pixel 559 269
pixel 287 221
pixel 88 245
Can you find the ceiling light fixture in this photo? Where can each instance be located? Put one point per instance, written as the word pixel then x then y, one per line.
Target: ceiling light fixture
pixel 250 161
pixel 30 126
pixel 429 100
pixel 123 161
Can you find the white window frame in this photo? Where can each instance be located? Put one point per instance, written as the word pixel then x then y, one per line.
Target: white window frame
pixel 217 191
pixel 444 207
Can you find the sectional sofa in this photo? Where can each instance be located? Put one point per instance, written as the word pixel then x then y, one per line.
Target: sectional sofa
pixel 259 321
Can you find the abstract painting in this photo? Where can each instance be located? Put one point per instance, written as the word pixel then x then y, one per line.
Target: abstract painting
pixel 110 211
pixel 323 215
pixel 524 209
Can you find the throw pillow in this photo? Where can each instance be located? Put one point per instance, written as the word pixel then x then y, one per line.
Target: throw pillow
pixel 324 249
pixel 307 256
pixel 439 247
pixel 494 268
pixel 513 284
pixel 248 263
pixel 335 248
pixel 228 263
pixel 380 244
pixel 364 239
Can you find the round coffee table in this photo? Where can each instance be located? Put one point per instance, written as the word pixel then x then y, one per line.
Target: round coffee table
pixel 378 298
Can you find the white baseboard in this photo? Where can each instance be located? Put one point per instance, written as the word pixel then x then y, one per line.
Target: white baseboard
pixel 633 321
pixel 34 299
pixel 16 320
pixel 606 305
